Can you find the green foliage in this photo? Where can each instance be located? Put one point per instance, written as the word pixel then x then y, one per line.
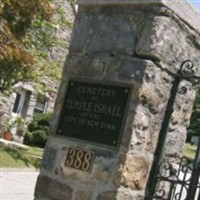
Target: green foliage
pixel 36 138
pixel 13 157
pixel 28 34
pixel 8 124
pixel 20 13
pixel 62 21
pixel 40 37
pixel 40 122
pixel 28 137
pixel 189 151
pixel 16 63
pixel 38 130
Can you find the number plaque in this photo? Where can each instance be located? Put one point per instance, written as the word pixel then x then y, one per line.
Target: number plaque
pixel 79 159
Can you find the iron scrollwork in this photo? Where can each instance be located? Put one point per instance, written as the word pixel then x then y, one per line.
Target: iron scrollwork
pixel 187 69
pixel 187 72
pixel 173 183
pixel 178 179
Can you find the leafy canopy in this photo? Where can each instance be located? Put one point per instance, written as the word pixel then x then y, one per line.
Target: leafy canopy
pixel 26 37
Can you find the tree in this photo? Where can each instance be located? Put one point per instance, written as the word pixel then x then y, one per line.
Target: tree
pixel 26 34
pixel 15 62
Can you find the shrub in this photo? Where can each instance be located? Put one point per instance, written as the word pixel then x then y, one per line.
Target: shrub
pixel 38 130
pixel 39 138
pixel 28 137
pixel 40 122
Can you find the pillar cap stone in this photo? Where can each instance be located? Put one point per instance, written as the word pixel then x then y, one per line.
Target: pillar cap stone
pixel 182 8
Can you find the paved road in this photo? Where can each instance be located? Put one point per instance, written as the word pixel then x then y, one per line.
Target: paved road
pixel 17 184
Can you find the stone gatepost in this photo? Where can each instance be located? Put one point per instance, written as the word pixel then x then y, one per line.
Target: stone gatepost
pixel 115 86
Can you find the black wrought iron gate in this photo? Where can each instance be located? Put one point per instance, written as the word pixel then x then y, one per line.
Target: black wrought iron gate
pixel 166 181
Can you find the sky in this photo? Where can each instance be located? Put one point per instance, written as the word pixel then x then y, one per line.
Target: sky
pixel 196 3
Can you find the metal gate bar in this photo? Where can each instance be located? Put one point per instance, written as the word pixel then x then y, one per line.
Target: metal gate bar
pixel 186 72
pixel 195 175
pixel 151 184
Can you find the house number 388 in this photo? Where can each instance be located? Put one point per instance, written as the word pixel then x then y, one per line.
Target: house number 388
pixel 79 159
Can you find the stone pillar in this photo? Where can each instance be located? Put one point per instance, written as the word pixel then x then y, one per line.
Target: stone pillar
pixel 122 42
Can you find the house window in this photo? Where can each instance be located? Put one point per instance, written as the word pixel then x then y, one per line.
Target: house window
pixel 16 105
pixel 40 105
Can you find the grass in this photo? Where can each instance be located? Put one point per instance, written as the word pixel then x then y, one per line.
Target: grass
pixel 18 158
pixel 189 150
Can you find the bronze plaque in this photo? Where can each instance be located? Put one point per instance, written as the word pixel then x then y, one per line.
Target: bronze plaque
pixel 94 112
pixel 79 159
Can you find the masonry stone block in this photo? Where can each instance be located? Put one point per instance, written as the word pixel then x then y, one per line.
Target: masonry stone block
pixel 49 158
pixel 52 189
